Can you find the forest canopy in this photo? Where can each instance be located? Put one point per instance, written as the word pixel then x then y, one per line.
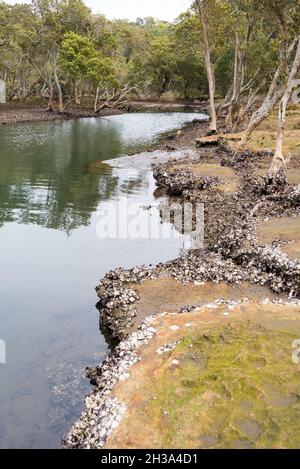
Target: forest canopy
pixel 59 46
pixel 230 51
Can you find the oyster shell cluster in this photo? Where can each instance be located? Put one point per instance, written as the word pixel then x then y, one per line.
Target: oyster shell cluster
pixel 232 254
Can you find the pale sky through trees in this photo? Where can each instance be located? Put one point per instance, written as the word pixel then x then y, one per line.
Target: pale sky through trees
pixel 132 9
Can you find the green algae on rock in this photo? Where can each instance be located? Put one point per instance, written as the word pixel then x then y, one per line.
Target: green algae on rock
pixel 232 387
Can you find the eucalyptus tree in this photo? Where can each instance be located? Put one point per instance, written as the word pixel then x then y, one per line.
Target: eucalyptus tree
pixel 201 5
pixel 4 39
pixel 161 63
pixel 215 36
pixel 190 79
pixel 16 25
pixel 54 19
pixel 253 47
pixel 153 58
pixel 83 64
pixel 279 160
pixel 284 15
pixel 3 19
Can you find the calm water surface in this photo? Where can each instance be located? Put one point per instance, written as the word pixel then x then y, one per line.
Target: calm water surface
pixel 52 185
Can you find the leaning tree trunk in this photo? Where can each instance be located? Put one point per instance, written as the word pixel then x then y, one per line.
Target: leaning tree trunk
pixel 245 112
pixel 234 104
pixel 209 68
pixel 50 98
pixel 259 116
pixel 279 161
pixel 96 99
pixel 238 87
pixel 275 93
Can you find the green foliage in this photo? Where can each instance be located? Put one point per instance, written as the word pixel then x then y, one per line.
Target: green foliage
pixel 80 60
pixel 50 41
pixel 160 64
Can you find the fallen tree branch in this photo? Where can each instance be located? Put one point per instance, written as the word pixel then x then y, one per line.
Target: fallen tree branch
pixel 115 100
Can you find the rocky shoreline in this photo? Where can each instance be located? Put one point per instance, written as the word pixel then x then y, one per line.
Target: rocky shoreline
pixel 103 412
pixel 232 254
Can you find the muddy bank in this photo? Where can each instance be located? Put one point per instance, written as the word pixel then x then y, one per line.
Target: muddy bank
pixel 237 269
pixel 13 113
pixel 166 106
pixel 235 206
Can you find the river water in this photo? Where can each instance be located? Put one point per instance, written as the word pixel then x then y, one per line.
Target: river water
pixel 53 182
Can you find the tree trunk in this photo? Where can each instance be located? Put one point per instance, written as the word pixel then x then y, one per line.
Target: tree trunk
pixel 96 99
pixel 275 93
pixel 247 109
pixel 209 68
pixel 226 102
pixel 78 94
pixel 279 161
pixel 259 116
pixel 234 106
pixel 50 99
pixel 58 87
pixel 237 89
